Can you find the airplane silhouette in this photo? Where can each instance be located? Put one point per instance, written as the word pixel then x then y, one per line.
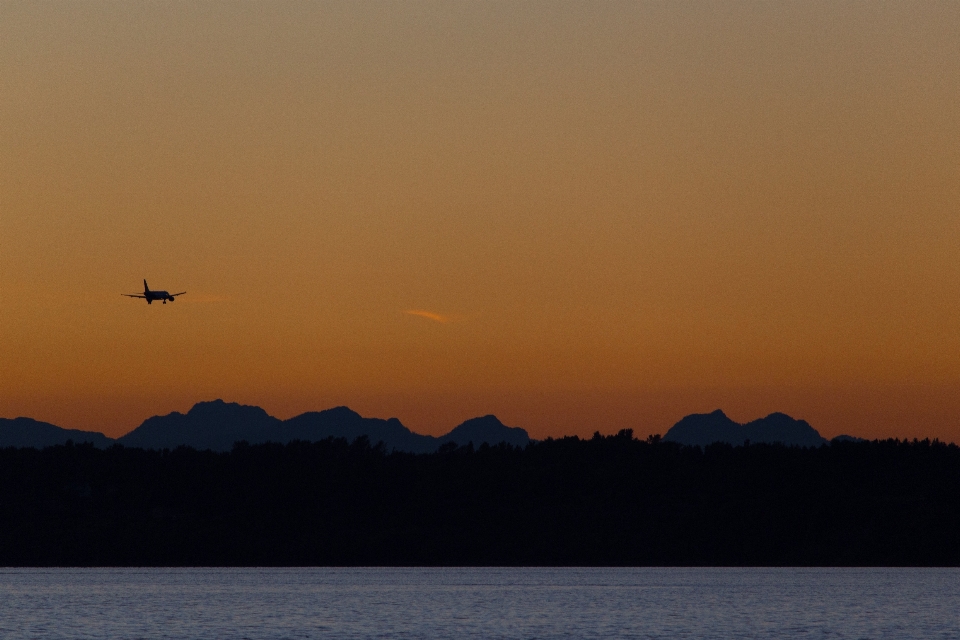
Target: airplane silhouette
pixel 150 296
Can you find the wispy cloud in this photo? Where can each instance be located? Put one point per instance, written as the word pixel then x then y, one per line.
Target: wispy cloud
pixel 429 315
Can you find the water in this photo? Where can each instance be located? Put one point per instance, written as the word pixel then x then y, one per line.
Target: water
pixel 479 603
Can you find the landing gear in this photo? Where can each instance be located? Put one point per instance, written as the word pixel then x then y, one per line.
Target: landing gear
pixel 164 302
pixel 149 301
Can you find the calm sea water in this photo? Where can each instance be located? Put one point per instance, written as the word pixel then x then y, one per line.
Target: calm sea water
pixel 479 603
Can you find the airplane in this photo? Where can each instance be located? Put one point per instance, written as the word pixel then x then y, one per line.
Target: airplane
pixel 150 296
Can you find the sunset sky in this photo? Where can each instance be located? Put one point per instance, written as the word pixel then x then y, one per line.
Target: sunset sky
pixel 577 216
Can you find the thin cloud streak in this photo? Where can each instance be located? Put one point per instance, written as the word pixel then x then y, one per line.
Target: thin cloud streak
pixel 429 315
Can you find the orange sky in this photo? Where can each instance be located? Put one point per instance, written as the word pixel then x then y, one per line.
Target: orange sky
pixel 577 216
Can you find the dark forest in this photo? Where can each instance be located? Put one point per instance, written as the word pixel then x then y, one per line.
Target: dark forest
pixel 612 500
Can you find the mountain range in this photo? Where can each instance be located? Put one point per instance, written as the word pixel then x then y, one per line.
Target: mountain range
pixel 217 425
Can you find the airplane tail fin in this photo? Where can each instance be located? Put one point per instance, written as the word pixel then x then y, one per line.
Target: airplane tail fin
pixel 146 289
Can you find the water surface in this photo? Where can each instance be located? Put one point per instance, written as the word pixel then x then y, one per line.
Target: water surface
pixel 479 603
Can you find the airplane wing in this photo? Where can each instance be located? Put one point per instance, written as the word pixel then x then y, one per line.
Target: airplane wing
pixel 133 295
pixel 174 295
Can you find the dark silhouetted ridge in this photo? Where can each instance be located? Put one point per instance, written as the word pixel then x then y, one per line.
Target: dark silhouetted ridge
pixel 26 432
pixel 846 438
pixel 702 429
pixel 218 425
pixel 341 422
pixel 215 425
pixel 486 430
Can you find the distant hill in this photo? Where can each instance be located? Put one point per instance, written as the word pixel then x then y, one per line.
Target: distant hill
pixel 703 429
pixel 846 438
pixel 486 429
pixel 26 432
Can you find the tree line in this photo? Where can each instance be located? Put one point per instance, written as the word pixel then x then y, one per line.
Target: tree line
pixel 607 500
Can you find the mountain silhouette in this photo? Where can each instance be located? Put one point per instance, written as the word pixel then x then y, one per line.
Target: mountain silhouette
pixel 212 425
pixel 486 430
pixel 341 422
pixel 26 432
pixel 845 438
pixel 217 425
pixel 702 429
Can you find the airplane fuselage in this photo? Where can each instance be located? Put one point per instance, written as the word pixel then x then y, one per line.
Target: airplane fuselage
pixel 158 295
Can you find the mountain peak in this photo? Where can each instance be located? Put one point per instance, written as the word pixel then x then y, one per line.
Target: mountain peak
pixel 218 407
pixel 488 420
pixel 486 429
pixel 212 425
pixel 341 413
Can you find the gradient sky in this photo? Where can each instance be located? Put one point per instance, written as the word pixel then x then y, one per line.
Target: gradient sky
pixel 577 216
